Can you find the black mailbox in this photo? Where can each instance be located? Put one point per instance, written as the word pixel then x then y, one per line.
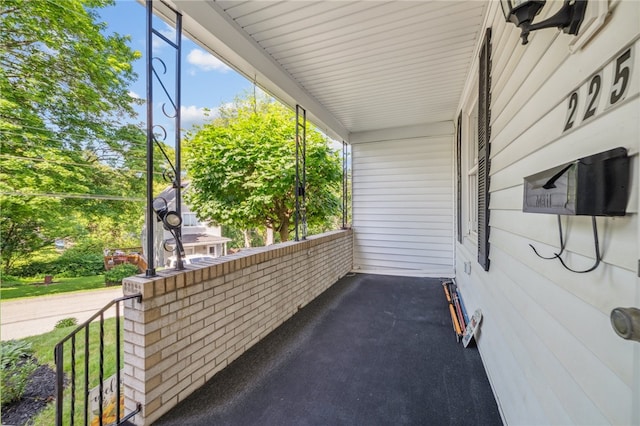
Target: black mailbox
pixel 597 185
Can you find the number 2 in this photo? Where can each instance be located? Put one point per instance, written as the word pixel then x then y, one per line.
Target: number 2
pixel 615 90
pixel 621 75
pixel 594 95
pixel 573 105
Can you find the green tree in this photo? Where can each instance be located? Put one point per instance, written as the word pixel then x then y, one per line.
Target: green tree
pixel 242 166
pixel 63 99
pixel 239 237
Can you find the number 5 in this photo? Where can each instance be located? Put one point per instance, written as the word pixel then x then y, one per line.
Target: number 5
pixel 621 76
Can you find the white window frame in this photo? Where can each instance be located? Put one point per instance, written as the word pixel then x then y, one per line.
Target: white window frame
pixel 471 139
pixel 469 166
pixel 189 222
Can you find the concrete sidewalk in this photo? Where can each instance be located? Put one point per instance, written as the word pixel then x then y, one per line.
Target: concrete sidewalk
pixel 32 316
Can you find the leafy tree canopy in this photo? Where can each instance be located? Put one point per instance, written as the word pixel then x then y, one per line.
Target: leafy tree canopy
pixel 242 167
pixel 64 99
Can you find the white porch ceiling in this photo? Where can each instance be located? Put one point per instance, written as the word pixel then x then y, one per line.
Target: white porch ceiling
pixel 354 65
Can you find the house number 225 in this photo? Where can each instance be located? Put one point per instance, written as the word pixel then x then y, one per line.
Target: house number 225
pixel 621 73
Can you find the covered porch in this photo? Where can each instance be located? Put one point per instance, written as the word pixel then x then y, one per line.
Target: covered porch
pixel 446 112
pixel 372 349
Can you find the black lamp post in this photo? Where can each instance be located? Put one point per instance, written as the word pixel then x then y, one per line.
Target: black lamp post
pixel 522 13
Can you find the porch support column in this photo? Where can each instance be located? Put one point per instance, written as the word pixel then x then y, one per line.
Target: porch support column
pixel 151 270
pixel 301 173
pixel 157 133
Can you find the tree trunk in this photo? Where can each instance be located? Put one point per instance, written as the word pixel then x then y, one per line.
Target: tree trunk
pixel 247 238
pixel 284 229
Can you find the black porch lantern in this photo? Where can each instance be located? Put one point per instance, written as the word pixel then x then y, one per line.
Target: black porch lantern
pixel 522 13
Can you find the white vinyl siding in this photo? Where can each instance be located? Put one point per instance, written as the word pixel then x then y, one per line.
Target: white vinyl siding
pixel 546 339
pixel 403 206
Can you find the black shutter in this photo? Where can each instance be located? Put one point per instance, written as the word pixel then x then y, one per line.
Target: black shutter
pixel 459 175
pixel 484 137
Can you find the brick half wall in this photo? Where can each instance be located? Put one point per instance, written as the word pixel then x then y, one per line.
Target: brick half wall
pixel 193 323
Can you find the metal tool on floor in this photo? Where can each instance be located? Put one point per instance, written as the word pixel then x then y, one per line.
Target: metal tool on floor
pixel 463 327
pixel 457 318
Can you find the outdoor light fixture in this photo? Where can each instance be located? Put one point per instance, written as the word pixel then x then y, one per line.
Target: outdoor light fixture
pixel 171 221
pixel 522 12
pixel 169 218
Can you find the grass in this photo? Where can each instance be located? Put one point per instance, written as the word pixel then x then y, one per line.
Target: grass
pixel 43 348
pixel 31 287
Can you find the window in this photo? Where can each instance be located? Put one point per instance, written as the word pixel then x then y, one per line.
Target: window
pixel 473 152
pixel 468 172
pixel 190 219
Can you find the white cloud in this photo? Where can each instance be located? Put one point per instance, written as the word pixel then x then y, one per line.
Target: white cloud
pixel 134 95
pixel 192 115
pixel 206 61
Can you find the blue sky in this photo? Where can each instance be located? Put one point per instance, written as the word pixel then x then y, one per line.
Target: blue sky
pixel 206 81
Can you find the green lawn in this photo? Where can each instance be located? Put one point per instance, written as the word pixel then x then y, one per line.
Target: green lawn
pixel 43 346
pixel 30 287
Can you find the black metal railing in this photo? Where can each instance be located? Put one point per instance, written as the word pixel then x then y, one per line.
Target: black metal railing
pixel 99 392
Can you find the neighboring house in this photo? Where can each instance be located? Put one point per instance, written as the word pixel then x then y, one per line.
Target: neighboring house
pixel 198 237
pixel 446 113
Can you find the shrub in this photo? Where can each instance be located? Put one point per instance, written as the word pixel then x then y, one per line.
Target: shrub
pixel 66 322
pixel 74 262
pixel 16 366
pixel 115 275
pixel 79 262
pixel 15 378
pixel 12 351
pixel 9 279
pixel 32 269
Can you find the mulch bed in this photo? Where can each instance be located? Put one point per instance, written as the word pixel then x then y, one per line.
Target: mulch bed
pixel 39 392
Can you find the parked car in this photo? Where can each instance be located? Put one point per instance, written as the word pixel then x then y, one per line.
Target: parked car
pixel 190 259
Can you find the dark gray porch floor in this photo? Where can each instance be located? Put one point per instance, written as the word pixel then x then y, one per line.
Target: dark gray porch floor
pixel 371 350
